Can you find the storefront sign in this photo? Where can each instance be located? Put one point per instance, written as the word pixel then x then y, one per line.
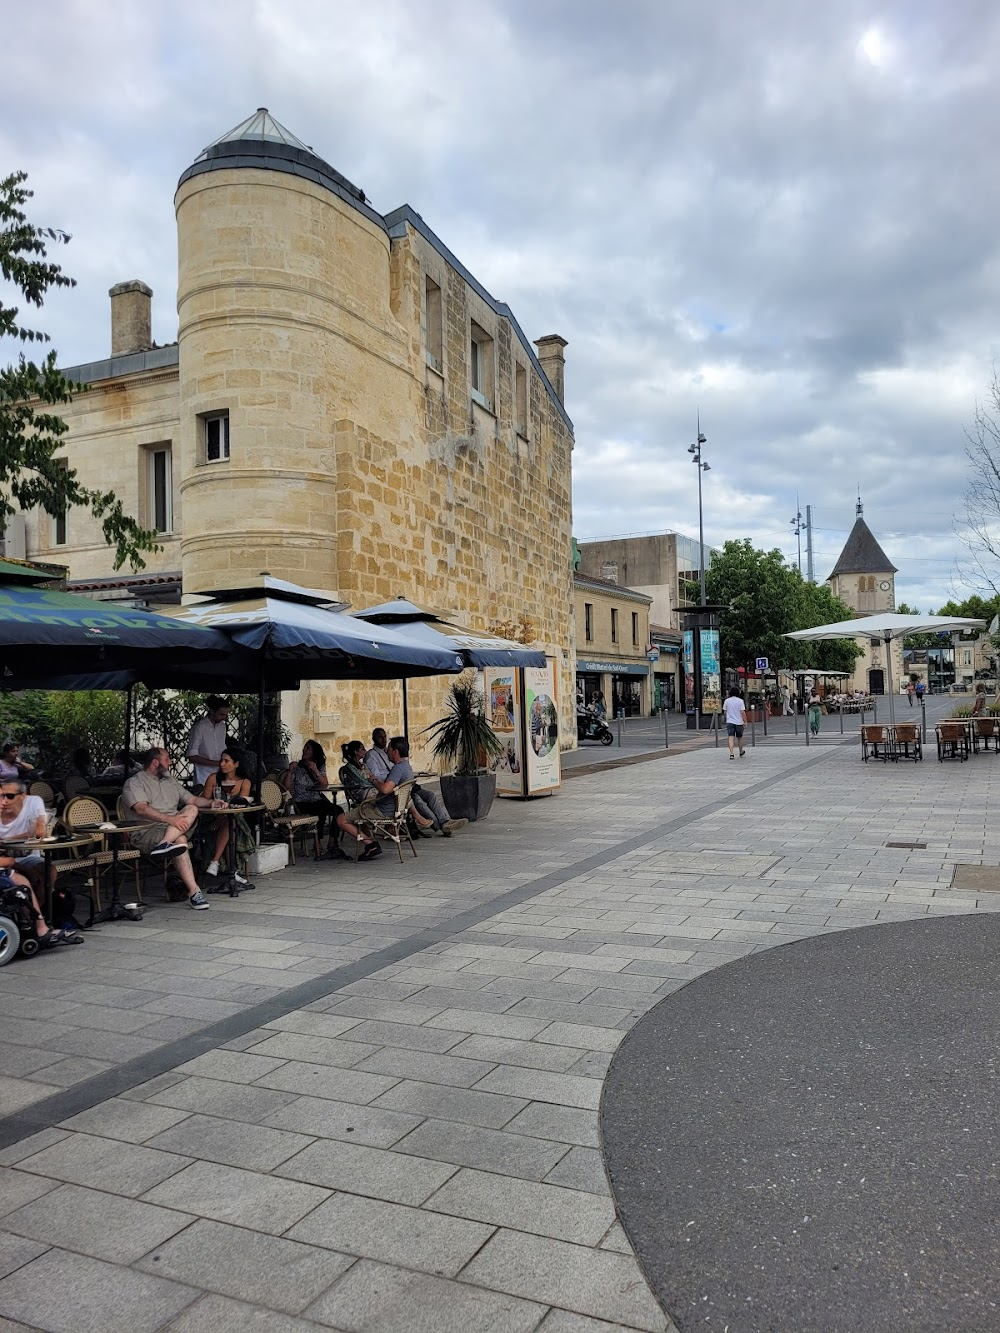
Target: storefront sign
pixel 612 668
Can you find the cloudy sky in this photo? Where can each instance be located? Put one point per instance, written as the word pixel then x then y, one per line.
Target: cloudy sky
pixel 778 214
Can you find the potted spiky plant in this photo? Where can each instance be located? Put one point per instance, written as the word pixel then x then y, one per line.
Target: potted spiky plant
pixel 464 741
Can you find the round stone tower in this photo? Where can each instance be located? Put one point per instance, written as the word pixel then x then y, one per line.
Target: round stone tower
pixel 283 303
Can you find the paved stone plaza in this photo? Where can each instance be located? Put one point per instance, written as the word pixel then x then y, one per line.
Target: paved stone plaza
pixel 366 1097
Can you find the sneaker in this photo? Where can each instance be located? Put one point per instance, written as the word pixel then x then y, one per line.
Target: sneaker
pixel 170 849
pixel 742 753
pixel 731 755
pixel 238 878
pixel 371 851
pixel 213 868
pixel 198 901
pixel 453 825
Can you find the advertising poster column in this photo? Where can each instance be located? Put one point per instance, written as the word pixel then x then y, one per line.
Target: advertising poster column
pixel 541 707
pixel 689 701
pixel 711 674
pixel 503 708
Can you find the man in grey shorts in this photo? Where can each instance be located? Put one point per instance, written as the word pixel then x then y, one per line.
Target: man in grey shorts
pixel 155 795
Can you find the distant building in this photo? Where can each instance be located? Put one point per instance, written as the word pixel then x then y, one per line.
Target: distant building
pixel 612 646
pixel 864 578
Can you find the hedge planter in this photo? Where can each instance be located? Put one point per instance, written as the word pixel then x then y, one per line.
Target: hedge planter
pixel 468 798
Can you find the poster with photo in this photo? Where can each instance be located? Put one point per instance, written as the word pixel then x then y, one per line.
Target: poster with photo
pixel 711 673
pixel 542 729
pixel 502 688
pixel 689 671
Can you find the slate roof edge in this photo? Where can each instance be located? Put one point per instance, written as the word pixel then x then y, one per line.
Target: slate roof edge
pixel 131 363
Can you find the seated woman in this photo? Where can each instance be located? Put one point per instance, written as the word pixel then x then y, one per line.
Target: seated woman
pixel 230 781
pixel 11 763
pixel 306 780
pixel 22 818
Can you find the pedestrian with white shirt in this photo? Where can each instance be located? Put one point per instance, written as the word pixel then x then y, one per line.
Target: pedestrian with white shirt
pixel 208 739
pixel 736 720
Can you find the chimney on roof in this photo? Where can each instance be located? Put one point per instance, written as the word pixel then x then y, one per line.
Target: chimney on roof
pixel 553 362
pixel 131 317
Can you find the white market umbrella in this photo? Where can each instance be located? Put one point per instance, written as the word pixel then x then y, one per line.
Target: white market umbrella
pixel 887 625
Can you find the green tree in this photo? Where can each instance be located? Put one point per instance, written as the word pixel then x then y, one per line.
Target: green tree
pixel 30 433
pixel 767 600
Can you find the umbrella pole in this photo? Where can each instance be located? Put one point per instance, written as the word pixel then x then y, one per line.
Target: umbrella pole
pixel 406 714
pixel 128 731
pixel 260 740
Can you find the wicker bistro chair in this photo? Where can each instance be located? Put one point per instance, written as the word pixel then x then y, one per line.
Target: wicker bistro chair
pixel 87 810
pixel 873 738
pixel 288 827
pixel 43 790
pixel 952 741
pixel 74 785
pixel 392 827
pixel 987 729
pixel 906 741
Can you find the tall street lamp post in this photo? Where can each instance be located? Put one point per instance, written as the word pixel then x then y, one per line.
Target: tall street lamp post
pixel 695 449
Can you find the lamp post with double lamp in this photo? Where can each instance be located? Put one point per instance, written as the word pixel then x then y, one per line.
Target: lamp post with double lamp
pixel 695 449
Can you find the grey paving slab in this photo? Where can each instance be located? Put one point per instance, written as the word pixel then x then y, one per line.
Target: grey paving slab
pixel 348 1121
pixel 491 1110
pixel 282 1275
pixel 564 1124
pixel 528 1054
pixel 430 1068
pixel 563 1321
pixel 128 1121
pixel 17 1093
pixel 544 1210
pixel 488 1025
pixel 393 1300
pixel 16 1251
pixel 244 1198
pixel 488 1149
pixel 69 1293
pixel 347 1085
pixel 17 1188
pixel 581 1169
pixel 235 1101
pixel 219 1314
pixel 537 1085
pixel 102 1225
pixel 393 1234
pixel 27 1147
pixel 235 1143
pixel 575 1277
pixel 376 1172
pixel 124 1168
pixel 231 1066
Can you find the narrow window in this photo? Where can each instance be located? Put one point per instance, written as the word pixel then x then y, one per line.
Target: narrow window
pixel 432 314
pixel 520 400
pixel 588 622
pixel 614 625
pixel 481 367
pixel 160 491
pixel 59 520
pixel 635 627
pixel 216 430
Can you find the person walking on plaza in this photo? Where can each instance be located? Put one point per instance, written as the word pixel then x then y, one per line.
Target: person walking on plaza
pixel 786 701
pixel 815 706
pixel 208 739
pixel 911 690
pixel 979 703
pixel 736 720
pixel 919 690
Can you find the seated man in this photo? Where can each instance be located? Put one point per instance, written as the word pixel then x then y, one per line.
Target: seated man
pixel 156 796
pixel 384 803
pixel 428 804
pixel 23 817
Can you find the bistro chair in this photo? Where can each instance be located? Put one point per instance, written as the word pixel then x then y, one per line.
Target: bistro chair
pixel 72 864
pixel 86 810
pixel 43 790
pixel 392 827
pixel 987 729
pixel 874 735
pixel 952 741
pixel 907 735
pixel 287 827
pixel 74 785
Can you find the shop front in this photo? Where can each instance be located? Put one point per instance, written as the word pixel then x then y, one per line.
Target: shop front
pixel 623 684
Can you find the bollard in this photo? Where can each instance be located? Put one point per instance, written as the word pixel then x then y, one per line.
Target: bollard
pixel 808 733
pixel 795 716
pixel 923 722
pixel 840 710
pixel 753 729
pixel 619 721
pixel 666 734
pixel 874 709
pixel 715 728
pixel 765 716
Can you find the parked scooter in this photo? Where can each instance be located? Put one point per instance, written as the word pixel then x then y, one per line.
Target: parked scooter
pixel 590 727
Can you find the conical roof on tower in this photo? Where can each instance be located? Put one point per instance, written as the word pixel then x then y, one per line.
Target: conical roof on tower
pixel 862 553
pixel 261 126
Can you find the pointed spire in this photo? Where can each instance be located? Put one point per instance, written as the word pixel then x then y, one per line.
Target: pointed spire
pixel 859 509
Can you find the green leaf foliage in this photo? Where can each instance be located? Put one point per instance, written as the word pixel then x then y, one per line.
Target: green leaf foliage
pixel 31 474
pixel 767 599
pixel 463 738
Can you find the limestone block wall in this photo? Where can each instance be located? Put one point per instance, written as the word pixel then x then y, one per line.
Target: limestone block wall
pixel 111 429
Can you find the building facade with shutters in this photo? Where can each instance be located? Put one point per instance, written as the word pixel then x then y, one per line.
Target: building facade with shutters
pixel 612 650
pixel 346 407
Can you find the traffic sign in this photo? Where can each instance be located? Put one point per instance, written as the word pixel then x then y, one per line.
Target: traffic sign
pixel 653 654
pixel 762 665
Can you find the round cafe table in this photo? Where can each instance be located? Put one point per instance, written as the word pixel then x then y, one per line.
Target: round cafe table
pixel 228 883
pixel 114 831
pixel 47 846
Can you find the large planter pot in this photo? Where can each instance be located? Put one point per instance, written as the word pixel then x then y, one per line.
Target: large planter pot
pixel 468 798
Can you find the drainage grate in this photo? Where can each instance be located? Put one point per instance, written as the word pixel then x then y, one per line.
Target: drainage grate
pixel 976 879
pixel 916 846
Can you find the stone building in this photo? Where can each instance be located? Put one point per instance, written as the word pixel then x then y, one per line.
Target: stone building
pixel 612 641
pixel 346 406
pixel 864 579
